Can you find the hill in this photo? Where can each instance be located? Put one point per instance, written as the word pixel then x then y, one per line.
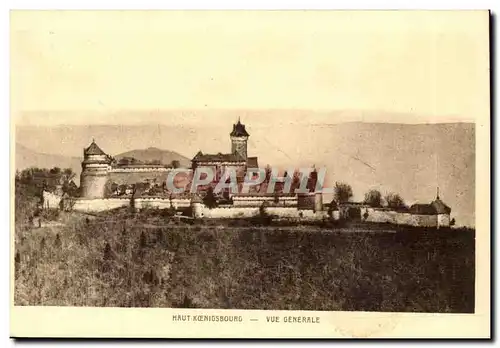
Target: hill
pixel 156 262
pixel 26 158
pixel 153 153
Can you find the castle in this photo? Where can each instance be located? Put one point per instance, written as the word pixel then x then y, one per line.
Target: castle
pixel 107 184
pixel 99 169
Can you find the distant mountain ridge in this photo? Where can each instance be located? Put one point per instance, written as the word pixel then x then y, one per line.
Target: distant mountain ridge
pixel 153 153
pixel 26 158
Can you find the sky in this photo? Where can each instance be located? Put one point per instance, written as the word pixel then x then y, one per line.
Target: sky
pixel 87 66
pixel 199 71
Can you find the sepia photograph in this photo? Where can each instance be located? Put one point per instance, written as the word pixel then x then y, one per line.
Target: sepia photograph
pixel 250 168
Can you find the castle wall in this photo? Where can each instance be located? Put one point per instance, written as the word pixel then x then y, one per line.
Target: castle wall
pixel 230 212
pixel 393 217
pixel 130 177
pixel 97 205
pixel 306 201
pixel 280 212
pixel 161 203
pixel 248 201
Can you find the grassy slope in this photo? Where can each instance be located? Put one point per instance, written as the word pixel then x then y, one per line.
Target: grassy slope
pixel 180 265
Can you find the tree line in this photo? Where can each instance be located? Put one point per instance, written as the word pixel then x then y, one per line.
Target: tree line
pixel 125 161
pixel 34 180
pixel 373 198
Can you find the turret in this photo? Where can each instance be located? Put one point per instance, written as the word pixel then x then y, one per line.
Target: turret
pixel 239 139
pixel 442 210
pixel 94 175
pixel 196 207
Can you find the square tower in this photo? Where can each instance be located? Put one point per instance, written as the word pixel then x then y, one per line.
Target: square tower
pixel 239 139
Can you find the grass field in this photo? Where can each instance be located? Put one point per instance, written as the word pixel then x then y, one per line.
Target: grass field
pixel 122 259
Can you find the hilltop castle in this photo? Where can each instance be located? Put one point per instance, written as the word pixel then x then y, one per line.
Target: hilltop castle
pixel 99 169
pixel 107 184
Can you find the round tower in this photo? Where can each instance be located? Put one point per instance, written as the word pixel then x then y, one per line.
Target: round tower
pixel 196 207
pixel 239 139
pixel 94 175
pixel 318 201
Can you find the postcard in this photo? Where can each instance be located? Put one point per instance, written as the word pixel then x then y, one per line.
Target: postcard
pixel 250 174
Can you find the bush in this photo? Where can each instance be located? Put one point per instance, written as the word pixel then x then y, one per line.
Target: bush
pixel 50 214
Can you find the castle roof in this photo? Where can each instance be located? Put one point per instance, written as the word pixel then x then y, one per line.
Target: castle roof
pixel 252 162
pixel 93 149
pixel 440 207
pixel 239 130
pixel 435 207
pixel 423 209
pixel 219 157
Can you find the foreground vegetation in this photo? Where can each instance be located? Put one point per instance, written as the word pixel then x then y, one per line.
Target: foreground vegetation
pixel 125 259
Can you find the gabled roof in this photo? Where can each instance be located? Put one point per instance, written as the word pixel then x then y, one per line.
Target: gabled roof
pixel 219 157
pixel 440 207
pixel 435 207
pixel 93 149
pixel 423 209
pixel 239 130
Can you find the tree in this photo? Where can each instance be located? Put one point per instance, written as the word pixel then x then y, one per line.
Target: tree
pixel 156 162
pixel 57 242
pixel 373 198
pixel 210 200
pixel 343 192
pixel 55 171
pixel 68 175
pixel 107 252
pixel 128 161
pixel 394 201
pixel 175 164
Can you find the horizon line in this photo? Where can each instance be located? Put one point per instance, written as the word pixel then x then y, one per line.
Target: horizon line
pixel 182 116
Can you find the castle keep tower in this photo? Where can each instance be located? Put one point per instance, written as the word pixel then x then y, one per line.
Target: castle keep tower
pixel 239 138
pixel 94 175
